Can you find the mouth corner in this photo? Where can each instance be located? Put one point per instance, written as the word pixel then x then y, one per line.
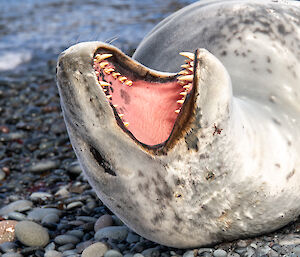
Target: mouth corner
pixel 154 108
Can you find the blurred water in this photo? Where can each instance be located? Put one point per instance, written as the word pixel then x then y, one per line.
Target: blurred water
pixel 35 31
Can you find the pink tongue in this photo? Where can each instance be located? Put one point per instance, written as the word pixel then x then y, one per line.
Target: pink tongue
pixel 148 107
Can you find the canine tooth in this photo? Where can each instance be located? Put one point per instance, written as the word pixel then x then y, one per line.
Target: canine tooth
pixel 115 74
pixel 109 96
pixel 185 66
pixel 180 101
pixel 183 72
pixel 189 55
pixel 121 115
pixel 103 83
pixel 190 69
pixel 108 70
pixel 128 83
pixel 115 105
pixel 103 64
pixel 101 57
pixel 186 78
pixel 177 111
pixel 122 79
pixel 126 124
pixel 183 93
pixel 187 86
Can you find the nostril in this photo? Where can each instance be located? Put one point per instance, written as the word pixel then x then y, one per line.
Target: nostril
pixel 101 161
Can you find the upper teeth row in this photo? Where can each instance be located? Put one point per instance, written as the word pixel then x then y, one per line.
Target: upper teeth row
pixel 186 77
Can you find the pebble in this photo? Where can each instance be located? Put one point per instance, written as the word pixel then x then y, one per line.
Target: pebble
pixel 77 233
pixel 219 253
pixel 103 221
pixel 37 214
pixel 290 240
pixel 37 196
pixel 132 238
pixel 95 250
pixel 151 252
pixel 74 168
pixel 50 218
pixel 7 230
pixel 66 239
pixel 12 255
pixel 137 255
pixel 113 253
pixel 31 234
pixel 20 206
pixel 16 216
pixel 113 232
pixel 42 166
pixel 189 254
pixel 74 205
pixel 53 253
pixel 65 247
pixel 2 174
pixel 8 247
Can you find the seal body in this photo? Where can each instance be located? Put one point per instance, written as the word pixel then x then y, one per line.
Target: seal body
pixel 233 171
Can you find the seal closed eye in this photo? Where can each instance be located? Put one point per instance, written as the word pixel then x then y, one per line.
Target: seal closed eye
pixel 194 150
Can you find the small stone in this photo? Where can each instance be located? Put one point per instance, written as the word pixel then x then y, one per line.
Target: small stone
pixel 73 205
pixel 42 166
pixel 66 239
pixel 289 240
pixel 132 238
pixel 76 232
pixel 219 253
pixel 71 253
pixel 74 168
pixel 95 250
pixel 31 234
pixel 2 174
pixel 20 205
pixel 151 252
pixel 8 247
pixel 53 253
pixel 12 255
pixel 114 232
pixel 37 214
pixel 113 253
pixel 103 221
pixel 81 246
pixel 37 196
pixel 189 254
pixel 137 255
pixel 65 247
pixel 50 218
pixel 16 216
pixel 7 230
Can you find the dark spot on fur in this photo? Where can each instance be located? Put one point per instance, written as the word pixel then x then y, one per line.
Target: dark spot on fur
pixel 292 173
pixel 281 29
pixel 101 161
pixel 125 96
pixel 268 59
pixel 140 174
pixel 223 53
pixel 277 122
pixel 204 156
pixel 277 165
pixel 157 218
pixel 210 176
pixel 269 71
pixel 111 89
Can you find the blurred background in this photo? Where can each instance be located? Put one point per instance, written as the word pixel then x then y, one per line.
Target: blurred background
pixel 34 32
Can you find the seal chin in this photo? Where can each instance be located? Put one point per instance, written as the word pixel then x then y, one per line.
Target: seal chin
pixel 155 109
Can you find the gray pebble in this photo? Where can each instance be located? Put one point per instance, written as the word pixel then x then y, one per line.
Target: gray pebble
pixel 113 253
pixel 114 232
pixel 2 174
pixel 53 253
pixel 95 250
pixel 151 252
pixel 189 254
pixel 65 247
pixel 37 214
pixel 203 250
pixel 20 205
pixel 12 255
pixel 66 239
pixel 131 255
pixel 50 218
pixel 31 234
pixel 76 232
pixel 37 196
pixel 233 255
pixel 220 253
pixel 117 221
pixel 86 219
pixel 132 238
pixel 70 253
pixel 290 240
pixel 73 205
pixel 42 166
pixel 50 247
pixel 137 255
pixel 74 168
pixel 16 216
pixel 264 250
pixel 8 247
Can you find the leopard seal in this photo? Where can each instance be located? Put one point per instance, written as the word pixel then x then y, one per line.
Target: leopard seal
pixel 196 156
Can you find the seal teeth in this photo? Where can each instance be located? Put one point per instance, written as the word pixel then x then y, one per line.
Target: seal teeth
pixel 184 93
pixel 188 78
pixel 115 74
pixel 122 79
pixel 187 86
pixel 101 57
pixel 126 124
pixel 103 83
pixel 128 83
pixel 189 55
pixel 108 70
pixel 121 115
pixel 109 96
pixel 180 101
pixel 177 111
pixel 184 72
pixel 103 64
pixel 185 66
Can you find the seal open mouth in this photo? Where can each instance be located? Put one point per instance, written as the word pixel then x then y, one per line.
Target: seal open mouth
pixel 149 107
